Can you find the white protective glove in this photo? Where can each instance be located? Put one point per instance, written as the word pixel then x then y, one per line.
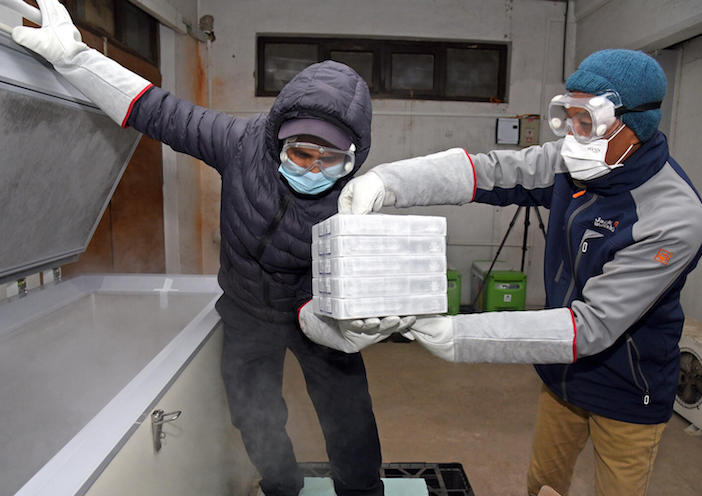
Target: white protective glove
pixel 373 325
pixel 540 336
pixel 106 83
pixel 349 336
pixel 364 194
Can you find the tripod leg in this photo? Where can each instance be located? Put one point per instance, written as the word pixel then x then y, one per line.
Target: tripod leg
pixel 541 222
pixel 497 254
pixel 524 238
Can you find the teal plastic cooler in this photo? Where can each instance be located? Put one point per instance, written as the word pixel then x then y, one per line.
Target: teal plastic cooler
pixel 453 291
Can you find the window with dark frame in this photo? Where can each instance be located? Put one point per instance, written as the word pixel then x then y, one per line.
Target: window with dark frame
pixel 400 69
pixel 121 22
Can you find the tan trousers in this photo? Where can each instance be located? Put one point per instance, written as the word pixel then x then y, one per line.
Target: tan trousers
pixel 624 452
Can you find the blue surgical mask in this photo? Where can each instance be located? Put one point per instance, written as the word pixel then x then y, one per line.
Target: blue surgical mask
pixel 309 183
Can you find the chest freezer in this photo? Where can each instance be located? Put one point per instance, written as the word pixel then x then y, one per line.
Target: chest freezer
pixel 83 362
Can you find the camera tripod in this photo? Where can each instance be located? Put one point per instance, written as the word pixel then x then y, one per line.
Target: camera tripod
pixel 504 239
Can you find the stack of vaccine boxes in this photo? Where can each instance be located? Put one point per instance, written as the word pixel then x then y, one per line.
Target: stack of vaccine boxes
pixel 378 265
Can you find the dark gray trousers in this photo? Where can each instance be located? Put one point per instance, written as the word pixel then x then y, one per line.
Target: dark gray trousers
pixel 252 368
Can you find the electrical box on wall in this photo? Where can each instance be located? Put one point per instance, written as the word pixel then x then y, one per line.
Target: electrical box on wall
pixel 507 131
pixel 529 130
pixel 522 130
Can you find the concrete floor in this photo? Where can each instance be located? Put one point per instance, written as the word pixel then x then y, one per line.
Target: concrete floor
pixel 481 416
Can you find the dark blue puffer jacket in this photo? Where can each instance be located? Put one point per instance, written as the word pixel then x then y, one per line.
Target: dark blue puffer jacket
pixel 266 226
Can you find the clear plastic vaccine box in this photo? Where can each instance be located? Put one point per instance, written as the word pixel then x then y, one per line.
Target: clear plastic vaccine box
pixel 363 308
pixel 377 265
pixel 356 287
pixel 349 246
pixel 381 225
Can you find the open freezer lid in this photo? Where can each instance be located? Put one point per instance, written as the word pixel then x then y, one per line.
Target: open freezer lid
pixel 60 161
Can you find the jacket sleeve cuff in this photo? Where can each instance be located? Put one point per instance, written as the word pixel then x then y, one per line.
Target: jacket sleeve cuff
pixel 131 105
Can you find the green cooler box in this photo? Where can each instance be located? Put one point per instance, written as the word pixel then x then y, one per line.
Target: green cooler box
pixel 453 291
pixel 503 290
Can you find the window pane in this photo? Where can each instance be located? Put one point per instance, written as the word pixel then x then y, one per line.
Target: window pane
pixel 412 71
pixel 136 31
pixel 472 73
pixel 99 13
pixel 361 62
pixel 282 61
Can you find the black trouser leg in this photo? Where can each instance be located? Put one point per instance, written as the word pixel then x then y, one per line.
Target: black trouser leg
pixel 337 385
pixel 252 369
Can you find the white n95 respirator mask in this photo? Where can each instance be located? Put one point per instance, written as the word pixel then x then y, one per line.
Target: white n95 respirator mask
pixel 586 161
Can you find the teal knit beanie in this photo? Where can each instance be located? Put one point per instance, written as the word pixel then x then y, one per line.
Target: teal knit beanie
pixel 637 78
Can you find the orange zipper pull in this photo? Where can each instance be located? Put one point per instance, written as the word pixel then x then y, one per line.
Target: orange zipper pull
pixel 579 193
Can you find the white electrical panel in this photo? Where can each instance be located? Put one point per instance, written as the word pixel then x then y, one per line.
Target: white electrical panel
pixel 507 132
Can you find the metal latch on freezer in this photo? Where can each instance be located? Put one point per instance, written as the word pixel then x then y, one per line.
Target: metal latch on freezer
pixel 158 418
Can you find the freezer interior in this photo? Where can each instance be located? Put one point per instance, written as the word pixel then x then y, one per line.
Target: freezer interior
pixel 70 350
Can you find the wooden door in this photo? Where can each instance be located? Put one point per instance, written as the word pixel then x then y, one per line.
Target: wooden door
pixel 129 237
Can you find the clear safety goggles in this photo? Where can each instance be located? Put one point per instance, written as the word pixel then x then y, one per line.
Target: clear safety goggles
pixel 299 157
pixel 587 117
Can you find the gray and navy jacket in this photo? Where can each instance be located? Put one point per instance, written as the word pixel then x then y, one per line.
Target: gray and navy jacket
pixel 265 257
pixel 618 251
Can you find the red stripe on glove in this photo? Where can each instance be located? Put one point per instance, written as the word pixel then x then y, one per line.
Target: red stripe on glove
pixel 575 336
pixel 475 178
pixel 129 110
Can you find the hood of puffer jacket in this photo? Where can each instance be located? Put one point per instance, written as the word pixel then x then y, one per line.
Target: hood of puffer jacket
pixel 331 91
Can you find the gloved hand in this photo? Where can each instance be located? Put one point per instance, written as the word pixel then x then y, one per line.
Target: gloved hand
pixel 364 194
pixel 349 336
pixel 106 83
pixel 58 40
pixel 374 325
pixel 435 333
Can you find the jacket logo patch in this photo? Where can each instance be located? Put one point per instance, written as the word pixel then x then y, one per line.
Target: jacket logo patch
pixel 663 256
pixel 610 225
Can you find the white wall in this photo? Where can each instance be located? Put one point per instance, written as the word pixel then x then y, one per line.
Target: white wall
pixel 635 24
pixel 685 145
pixel 654 25
pixel 181 73
pixel 403 128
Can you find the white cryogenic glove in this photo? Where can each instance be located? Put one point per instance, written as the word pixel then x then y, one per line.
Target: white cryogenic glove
pixel 349 336
pixel 373 325
pixel 543 336
pixel 106 83
pixel 364 194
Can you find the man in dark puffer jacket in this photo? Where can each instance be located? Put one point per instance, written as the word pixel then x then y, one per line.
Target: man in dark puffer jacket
pixel 269 206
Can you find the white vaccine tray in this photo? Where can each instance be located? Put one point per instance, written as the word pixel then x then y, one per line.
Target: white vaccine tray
pixel 381 224
pixel 349 246
pixel 361 308
pixel 353 287
pixel 378 265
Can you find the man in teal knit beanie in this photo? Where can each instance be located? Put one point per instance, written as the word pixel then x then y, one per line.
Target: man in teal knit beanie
pixel 637 78
pixel 624 231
